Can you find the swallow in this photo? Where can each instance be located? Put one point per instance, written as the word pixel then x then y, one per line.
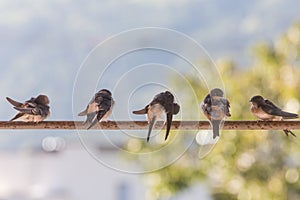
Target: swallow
pixel 264 109
pixel 99 108
pixel 162 104
pixel 216 109
pixel 35 109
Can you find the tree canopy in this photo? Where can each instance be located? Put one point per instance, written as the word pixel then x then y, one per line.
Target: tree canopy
pixel 246 164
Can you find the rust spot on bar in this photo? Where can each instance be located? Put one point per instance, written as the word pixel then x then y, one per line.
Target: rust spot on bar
pixel 143 125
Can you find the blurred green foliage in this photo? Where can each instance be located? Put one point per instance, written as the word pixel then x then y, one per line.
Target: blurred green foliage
pixel 246 164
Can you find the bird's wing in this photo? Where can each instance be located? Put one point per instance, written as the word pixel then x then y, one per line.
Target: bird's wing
pixel 90 117
pixel 226 105
pixel 30 105
pixel 31 101
pixel 274 110
pixel 142 111
pixel 32 111
pixel 159 99
pixel 169 122
pixel 44 110
pixel 13 102
pixel 207 100
pixel 271 108
pixel 225 102
pixel 176 108
pixel 206 105
pixel 93 123
pixel 96 118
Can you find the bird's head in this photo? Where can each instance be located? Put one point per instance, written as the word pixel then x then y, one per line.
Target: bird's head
pixel 257 99
pixel 42 99
pixel 217 92
pixel 169 96
pixel 105 91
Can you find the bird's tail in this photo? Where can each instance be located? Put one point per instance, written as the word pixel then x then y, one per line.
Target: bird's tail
pixel 169 122
pixel 151 124
pixel 140 112
pixel 17 116
pixel 216 127
pixel 287 115
pixel 90 118
pixel 97 119
pixel 13 102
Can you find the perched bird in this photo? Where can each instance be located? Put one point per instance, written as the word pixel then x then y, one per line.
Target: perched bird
pixel 216 108
pixel 163 103
pixel 34 110
pixel 264 109
pixel 99 108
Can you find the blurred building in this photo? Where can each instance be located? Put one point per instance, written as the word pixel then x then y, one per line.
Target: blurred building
pixel 69 173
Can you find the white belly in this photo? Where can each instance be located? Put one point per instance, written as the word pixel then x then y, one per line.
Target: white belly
pixel 93 107
pixel 156 110
pixel 258 112
pixel 33 118
pixel 107 115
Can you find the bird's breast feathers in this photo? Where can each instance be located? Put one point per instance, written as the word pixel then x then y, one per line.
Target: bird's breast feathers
pixel 107 114
pixel 218 112
pixel 33 118
pixel 156 110
pixel 258 112
pixel 92 108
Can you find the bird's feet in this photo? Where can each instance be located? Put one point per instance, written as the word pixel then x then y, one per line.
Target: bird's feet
pixel 287 131
pixel 260 120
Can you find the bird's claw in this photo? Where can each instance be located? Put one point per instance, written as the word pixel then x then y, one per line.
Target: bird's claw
pixel 287 131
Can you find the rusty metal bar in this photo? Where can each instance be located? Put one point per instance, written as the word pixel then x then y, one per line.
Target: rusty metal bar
pixel 142 125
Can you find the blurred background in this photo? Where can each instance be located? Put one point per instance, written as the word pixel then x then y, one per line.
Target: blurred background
pixel 256 46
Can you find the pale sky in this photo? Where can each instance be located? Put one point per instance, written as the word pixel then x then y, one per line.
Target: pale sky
pixel 43 43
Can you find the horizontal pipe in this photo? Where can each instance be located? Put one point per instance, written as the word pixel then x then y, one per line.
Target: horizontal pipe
pixel 142 125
